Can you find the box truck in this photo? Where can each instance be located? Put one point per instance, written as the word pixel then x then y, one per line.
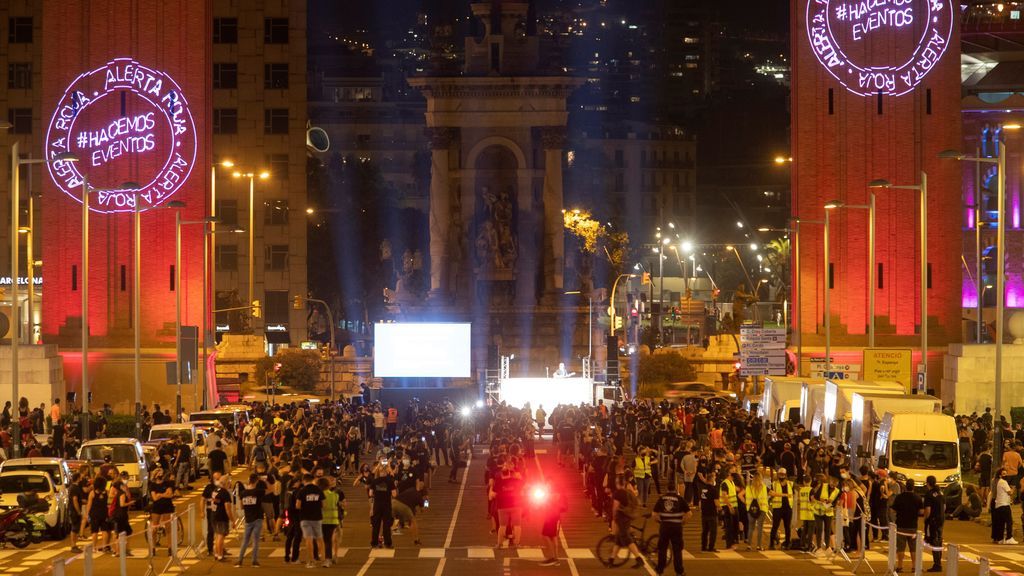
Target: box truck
pixel 915 446
pixel 867 411
pixel 780 401
pixel 836 406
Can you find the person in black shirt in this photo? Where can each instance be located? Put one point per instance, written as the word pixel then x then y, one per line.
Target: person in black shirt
pixel 216 458
pixel 934 504
pixel 183 461
pixel 671 510
pixel 908 508
pixel 223 516
pixel 251 497
pixel 76 503
pixel 310 502
pixel 208 509
pixel 382 490
pixel 708 498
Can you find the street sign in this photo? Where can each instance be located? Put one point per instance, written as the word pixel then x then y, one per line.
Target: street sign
pixel 762 351
pixel 894 364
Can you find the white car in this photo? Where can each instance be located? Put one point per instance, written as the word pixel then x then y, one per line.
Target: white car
pixel 60 476
pixel 16 483
pixel 125 453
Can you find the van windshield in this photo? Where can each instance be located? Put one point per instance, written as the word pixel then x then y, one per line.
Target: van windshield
pixel 119 453
pixel 924 455
pixel 169 433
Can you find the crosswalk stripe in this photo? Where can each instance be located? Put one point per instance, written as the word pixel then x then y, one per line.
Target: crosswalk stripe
pixel 530 553
pixel 45 554
pixel 729 555
pixel 579 553
pixel 1013 556
pixel 776 555
pixel 486 553
pixel 432 552
pixel 382 553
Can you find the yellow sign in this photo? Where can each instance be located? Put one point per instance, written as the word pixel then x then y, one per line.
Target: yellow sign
pixel 892 364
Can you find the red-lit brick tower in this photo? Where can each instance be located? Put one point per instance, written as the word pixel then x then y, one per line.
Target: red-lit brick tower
pixel 126 88
pixel 876 95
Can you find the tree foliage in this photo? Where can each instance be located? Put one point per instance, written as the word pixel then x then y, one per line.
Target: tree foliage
pixel 300 369
pixel 658 370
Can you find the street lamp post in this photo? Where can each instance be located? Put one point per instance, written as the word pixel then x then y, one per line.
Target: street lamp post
pixel 178 223
pixel 828 299
pixel 922 190
pixel 870 207
pixel 133 189
pixel 590 325
pixel 16 163
pixel 1000 162
pixel 611 307
pixel 263 175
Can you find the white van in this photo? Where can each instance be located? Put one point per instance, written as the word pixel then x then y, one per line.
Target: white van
pixel 916 446
pixel 867 413
pixel 127 455
pixel 196 442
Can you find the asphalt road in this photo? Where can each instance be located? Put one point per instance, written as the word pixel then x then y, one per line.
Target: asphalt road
pixel 456 540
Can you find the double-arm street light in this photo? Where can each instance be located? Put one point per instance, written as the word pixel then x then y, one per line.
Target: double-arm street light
pixel 797 288
pixel 252 176
pixel 1000 162
pixel 178 223
pixel 16 163
pixel 870 207
pixel 922 190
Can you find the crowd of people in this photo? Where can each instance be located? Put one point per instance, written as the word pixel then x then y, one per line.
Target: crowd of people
pixel 740 477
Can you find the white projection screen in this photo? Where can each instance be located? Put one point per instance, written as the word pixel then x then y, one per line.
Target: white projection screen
pixel 421 350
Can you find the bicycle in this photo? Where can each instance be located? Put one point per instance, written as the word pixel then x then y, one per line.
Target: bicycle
pixel 648 547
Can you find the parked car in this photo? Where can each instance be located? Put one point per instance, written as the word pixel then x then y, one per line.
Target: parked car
pixel 128 455
pixel 14 483
pixel 682 391
pixel 60 476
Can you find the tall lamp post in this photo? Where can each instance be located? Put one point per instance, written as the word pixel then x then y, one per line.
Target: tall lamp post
pixel 870 207
pixel 137 211
pixel 590 325
pixel 16 163
pixel 922 190
pixel 178 223
pixel 611 307
pixel 1000 162
pixel 797 289
pixel 86 191
pixel 252 176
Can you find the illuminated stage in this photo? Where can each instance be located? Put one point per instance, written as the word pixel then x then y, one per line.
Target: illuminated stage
pixel 549 392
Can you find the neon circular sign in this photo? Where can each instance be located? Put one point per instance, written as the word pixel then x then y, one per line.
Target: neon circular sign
pixel 879 46
pixel 124 122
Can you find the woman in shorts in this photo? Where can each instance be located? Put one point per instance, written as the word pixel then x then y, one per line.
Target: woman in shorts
pixel 96 504
pixel 161 494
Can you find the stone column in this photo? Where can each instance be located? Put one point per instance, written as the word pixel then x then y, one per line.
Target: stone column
pixel 553 140
pixel 440 140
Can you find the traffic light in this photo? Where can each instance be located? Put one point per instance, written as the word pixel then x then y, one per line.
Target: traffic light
pixel 645 279
pixel 297 302
pixel 257 309
pixel 618 322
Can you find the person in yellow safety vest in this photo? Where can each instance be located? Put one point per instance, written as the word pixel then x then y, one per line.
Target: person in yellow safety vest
pixel 642 473
pixel 730 504
pixel 824 495
pixel 783 503
pixel 805 511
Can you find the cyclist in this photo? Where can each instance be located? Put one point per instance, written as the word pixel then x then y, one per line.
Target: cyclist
pixel 625 505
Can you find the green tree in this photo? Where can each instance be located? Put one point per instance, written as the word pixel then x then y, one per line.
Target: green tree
pixel 656 371
pixel 300 369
